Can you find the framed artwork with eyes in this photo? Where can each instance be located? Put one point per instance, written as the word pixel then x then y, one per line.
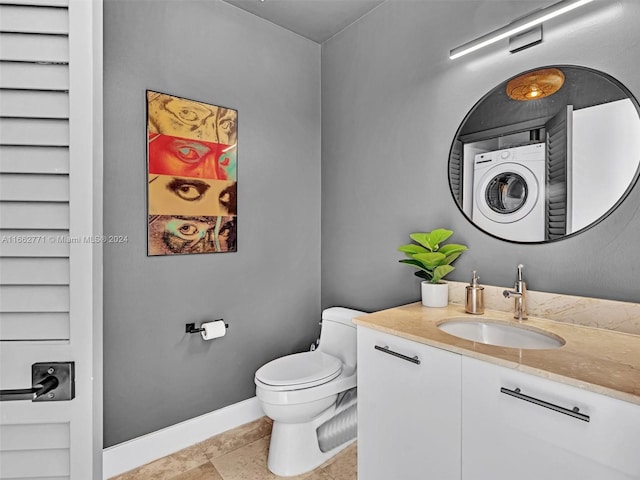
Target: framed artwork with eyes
pixel 192 176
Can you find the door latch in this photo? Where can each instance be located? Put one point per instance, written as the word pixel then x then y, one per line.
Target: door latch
pixel 51 382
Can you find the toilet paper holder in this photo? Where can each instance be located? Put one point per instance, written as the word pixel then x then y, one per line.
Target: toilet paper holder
pixel 191 327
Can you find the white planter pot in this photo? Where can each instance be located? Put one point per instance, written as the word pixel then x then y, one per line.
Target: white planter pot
pixel 435 294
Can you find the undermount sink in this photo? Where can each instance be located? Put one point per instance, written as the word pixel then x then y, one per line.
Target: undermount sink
pixel 495 332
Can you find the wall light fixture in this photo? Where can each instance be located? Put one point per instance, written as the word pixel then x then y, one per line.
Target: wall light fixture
pixel 517 26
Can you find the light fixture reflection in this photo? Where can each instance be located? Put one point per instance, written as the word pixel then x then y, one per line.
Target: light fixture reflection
pixel 535 85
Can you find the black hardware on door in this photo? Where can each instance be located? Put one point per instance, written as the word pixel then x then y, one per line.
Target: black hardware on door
pixel 575 412
pixel 386 349
pixel 51 382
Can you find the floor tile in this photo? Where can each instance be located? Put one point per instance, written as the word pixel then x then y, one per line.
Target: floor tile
pixel 231 440
pixel 168 467
pixel 246 463
pixel 204 472
pixel 250 463
pixel 315 475
pixel 239 454
pixel 344 466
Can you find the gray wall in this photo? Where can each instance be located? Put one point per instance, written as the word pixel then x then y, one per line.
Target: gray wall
pixel 392 102
pixel 269 291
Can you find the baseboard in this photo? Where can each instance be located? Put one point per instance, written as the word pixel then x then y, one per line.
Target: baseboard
pixel 142 450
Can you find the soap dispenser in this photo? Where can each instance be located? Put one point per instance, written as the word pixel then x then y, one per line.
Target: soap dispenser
pixel 475 296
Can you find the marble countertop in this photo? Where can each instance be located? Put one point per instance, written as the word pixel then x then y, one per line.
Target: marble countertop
pixel 602 361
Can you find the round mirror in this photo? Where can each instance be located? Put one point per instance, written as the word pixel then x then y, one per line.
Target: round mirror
pixel 546 154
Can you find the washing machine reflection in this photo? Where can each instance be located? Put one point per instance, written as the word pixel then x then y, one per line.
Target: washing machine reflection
pixel 509 195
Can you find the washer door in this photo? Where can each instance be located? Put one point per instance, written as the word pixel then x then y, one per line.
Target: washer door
pixel 506 193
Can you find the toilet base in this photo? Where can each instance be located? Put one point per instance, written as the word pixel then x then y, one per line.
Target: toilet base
pixel 294 447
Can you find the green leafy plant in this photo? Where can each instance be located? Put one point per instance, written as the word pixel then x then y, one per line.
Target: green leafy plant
pixel 432 259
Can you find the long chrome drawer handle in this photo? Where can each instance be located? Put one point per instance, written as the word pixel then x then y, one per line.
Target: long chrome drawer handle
pixel 575 413
pixel 385 349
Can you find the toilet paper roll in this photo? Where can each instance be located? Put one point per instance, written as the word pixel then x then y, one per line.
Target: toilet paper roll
pixel 213 330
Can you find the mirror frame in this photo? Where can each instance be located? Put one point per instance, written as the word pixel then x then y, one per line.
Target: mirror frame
pixel 502 84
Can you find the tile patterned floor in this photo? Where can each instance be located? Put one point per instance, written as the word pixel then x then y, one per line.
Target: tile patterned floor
pixel 239 454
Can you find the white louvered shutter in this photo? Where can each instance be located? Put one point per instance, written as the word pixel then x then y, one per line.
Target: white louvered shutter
pixel 50 141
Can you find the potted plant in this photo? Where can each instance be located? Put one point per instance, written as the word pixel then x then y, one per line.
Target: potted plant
pixel 433 261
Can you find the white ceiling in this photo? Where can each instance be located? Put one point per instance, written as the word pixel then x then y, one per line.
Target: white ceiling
pixel 317 20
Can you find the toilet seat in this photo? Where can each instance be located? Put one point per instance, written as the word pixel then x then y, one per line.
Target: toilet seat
pixel 298 371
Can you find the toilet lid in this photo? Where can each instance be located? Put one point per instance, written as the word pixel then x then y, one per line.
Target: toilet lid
pixel 302 370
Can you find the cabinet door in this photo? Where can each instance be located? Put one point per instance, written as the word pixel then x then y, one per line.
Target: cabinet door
pixel 408 413
pixel 507 437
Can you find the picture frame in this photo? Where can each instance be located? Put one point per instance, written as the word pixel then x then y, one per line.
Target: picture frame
pixel 191 176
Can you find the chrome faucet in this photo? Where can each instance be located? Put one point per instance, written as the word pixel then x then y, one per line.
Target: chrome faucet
pixel 519 294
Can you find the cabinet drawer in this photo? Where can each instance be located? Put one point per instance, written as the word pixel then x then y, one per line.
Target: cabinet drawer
pixel 408 409
pixel 537 428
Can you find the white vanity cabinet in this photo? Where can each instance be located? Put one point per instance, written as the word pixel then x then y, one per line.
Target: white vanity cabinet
pixel 511 428
pixel 409 403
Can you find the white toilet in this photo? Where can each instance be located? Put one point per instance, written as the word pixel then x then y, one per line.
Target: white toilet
pixel 311 397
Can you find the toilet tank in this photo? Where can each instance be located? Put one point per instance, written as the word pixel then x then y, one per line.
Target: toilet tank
pixel 338 334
